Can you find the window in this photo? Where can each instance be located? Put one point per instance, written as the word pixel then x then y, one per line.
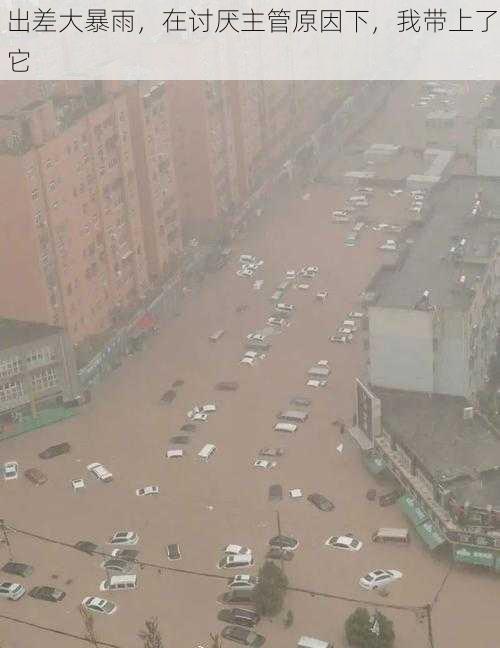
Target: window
pixel 35 194
pixel 11 391
pixel 39 356
pixel 10 367
pixel 52 186
pixel 44 379
pixel 38 217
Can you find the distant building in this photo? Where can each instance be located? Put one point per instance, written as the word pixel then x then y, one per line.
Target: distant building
pixel 37 366
pixel 433 324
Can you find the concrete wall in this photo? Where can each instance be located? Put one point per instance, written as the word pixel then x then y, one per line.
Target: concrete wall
pixel 401 355
pixel 488 153
pixel 451 359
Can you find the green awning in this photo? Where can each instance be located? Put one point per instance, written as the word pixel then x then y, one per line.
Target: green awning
pixel 471 556
pixel 373 463
pixel 412 510
pixel 430 535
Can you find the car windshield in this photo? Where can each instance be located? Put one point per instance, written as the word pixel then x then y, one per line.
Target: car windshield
pixel 368 577
pixel 108 606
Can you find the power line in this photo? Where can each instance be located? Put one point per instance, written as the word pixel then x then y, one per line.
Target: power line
pixel 348 599
pixel 416 609
pixel 141 563
pixel 58 632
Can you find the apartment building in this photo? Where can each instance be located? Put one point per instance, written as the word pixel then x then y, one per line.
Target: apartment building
pixel 71 215
pixel 155 169
pixel 37 365
pixel 204 147
pixel 433 325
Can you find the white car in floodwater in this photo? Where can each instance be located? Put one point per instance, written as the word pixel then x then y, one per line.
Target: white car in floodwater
pixel 379 578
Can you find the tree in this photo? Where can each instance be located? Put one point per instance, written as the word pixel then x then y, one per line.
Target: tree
pixel 270 590
pixel 151 635
pixel 215 639
pixel 366 631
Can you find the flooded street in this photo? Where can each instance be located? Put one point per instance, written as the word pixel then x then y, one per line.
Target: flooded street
pixel 204 506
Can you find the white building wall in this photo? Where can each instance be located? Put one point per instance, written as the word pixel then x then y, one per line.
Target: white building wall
pixel 451 358
pixel 400 348
pixel 488 153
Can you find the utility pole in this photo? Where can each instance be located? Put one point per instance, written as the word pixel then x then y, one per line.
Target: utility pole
pixel 428 609
pixel 278 522
pixel 88 622
pixel 5 536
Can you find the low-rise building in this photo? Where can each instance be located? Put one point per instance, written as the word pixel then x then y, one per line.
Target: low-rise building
pixel 446 456
pixel 433 325
pixel 37 367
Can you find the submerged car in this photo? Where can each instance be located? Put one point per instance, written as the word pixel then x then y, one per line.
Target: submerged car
pixel 321 502
pixel 301 401
pixel 125 554
pixel 148 490
pixel 124 538
pixel 346 542
pixel 18 569
pixel 35 476
pixel 243 581
pixel 116 565
pixel 12 591
pixel 230 385
pixel 263 463
pixel 239 616
pixel 10 470
pixel 379 578
pixel 55 451
pixel 275 492
pixel 243 636
pixel 316 383
pixel 284 542
pixel 271 452
pixel 342 339
pixel 46 593
pixel 96 604
pixel 86 546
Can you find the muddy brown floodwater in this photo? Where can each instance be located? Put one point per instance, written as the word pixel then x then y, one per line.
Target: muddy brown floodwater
pixel 204 506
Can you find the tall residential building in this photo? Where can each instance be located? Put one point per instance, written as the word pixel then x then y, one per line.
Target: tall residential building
pixel 271 119
pixel 70 213
pixel 158 196
pixel 204 146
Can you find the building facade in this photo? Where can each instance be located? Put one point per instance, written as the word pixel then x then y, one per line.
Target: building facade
pixel 206 168
pixel 446 458
pixel 89 204
pixel 37 366
pixel 155 168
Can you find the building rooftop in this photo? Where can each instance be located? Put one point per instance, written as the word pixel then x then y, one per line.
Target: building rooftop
pixel 432 265
pixel 15 332
pixel 463 454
